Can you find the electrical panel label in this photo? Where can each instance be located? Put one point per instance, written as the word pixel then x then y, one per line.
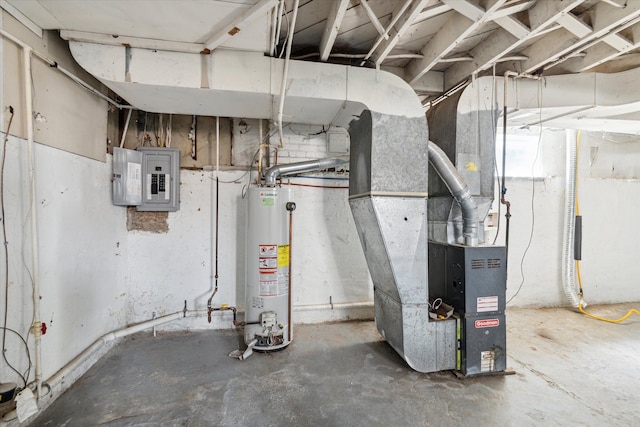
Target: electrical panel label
pixel 487 323
pixel 487 304
pixel 487 361
pixel 134 179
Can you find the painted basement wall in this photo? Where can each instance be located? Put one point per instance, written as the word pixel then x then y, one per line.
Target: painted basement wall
pixel 609 187
pixel 83 254
pixel 328 263
pixel 82 267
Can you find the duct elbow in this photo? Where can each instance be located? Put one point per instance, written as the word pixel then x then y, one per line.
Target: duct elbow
pixel 460 192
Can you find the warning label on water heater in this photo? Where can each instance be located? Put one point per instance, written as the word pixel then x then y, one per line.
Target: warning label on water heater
pixel 269 251
pixel 273 270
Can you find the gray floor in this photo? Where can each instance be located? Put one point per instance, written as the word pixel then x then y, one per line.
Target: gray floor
pixel 570 370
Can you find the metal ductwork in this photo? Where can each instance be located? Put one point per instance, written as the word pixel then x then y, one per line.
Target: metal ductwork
pixel 388 178
pixel 388 163
pixel 459 190
pixel 466 136
pixel 272 174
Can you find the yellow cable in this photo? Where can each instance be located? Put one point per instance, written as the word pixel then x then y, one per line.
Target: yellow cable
pixel 576 190
pixel 579 275
pixel 622 319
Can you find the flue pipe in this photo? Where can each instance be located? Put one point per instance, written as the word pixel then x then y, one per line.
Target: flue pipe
pixel 275 172
pixel 459 190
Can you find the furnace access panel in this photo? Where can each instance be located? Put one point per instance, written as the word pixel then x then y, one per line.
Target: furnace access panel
pixel 148 178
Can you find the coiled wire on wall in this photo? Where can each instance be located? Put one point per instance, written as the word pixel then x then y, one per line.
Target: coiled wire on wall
pixel 577 249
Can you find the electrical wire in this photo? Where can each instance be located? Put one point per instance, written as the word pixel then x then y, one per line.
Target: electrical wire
pixel 494 121
pixel 286 17
pixel 6 259
pixel 533 194
pixel 581 305
pixel 253 159
pixel 24 376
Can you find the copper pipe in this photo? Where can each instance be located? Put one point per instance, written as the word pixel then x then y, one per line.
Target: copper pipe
pixel 290 206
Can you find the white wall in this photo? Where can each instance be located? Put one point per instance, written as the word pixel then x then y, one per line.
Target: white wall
pixel 167 269
pixel 82 239
pixel 82 247
pixel 609 190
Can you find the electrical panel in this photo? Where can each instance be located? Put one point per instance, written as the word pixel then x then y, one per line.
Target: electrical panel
pixel 148 178
pixel 160 179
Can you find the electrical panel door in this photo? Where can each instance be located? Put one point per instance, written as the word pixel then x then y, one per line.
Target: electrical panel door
pixel 127 177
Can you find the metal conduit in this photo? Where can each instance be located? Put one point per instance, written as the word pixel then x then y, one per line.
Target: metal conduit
pixel 272 174
pixel 459 190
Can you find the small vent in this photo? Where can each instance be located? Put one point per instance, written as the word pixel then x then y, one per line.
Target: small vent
pixel 477 263
pixel 494 263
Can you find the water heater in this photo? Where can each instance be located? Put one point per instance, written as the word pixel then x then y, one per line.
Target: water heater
pixel 267 308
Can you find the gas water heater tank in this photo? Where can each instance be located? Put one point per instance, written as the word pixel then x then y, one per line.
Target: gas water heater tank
pixel 267 287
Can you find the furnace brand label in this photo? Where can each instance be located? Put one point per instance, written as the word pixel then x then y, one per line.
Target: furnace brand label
pixel 487 323
pixel 484 304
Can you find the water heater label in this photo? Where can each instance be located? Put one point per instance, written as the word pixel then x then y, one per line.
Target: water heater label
pixel 487 323
pixel 487 304
pixel 283 255
pixel 268 263
pixel 268 198
pixel 268 251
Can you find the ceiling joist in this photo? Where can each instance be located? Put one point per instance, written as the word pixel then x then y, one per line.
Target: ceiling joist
pixel 542 16
pixel 450 35
pixel 374 19
pixel 237 24
pixel 334 20
pixel 405 21
pixel 606 20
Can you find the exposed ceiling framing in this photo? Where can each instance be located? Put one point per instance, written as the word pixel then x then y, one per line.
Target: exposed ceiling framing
pixel 433 44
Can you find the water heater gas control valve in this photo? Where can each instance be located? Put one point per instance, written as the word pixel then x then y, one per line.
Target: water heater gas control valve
pixel 268 319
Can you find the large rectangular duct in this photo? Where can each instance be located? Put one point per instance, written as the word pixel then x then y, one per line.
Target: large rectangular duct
pixel 387 195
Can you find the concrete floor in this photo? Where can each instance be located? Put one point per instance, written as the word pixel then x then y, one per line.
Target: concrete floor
pixel 570 370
